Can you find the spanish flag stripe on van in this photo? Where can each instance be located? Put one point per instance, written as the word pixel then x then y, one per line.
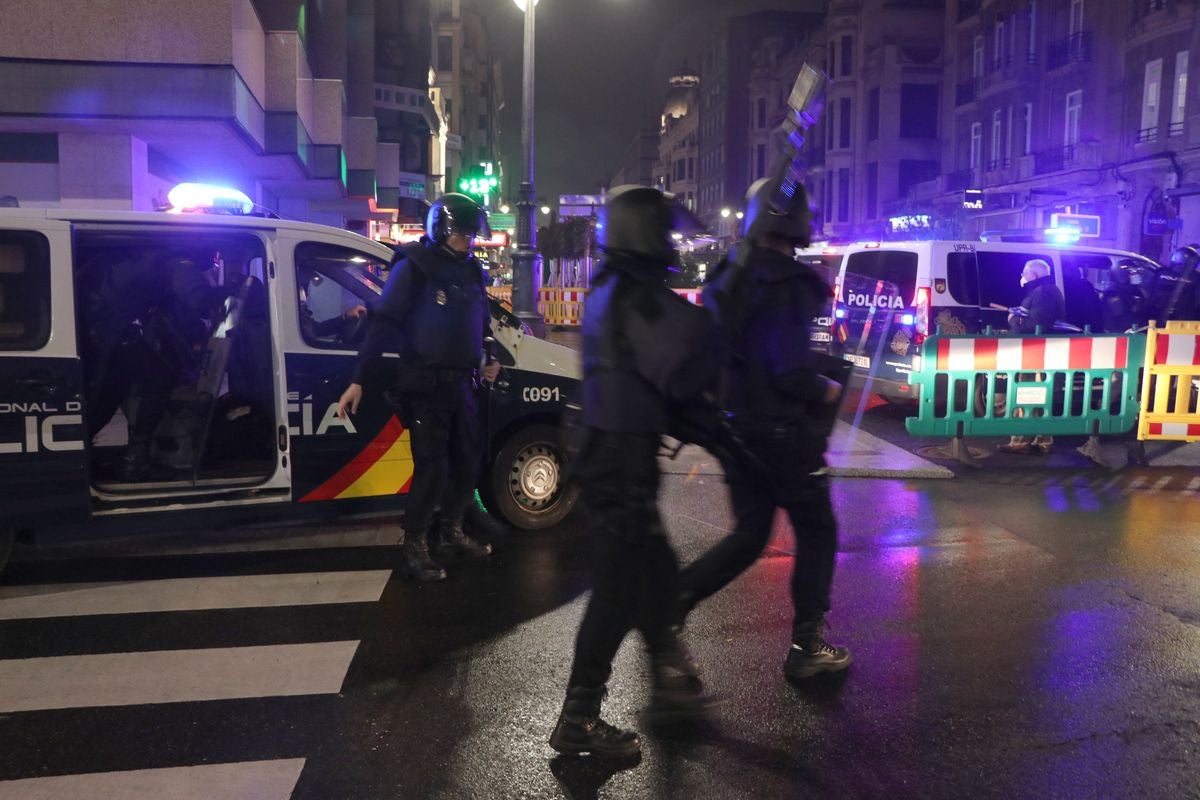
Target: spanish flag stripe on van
pixel 381 449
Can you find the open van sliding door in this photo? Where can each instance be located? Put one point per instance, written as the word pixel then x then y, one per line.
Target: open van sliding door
pixel 43 463
pixel 179 364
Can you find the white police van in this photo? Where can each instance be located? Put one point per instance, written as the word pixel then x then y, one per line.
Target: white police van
pixel 889 296
pixel 249 432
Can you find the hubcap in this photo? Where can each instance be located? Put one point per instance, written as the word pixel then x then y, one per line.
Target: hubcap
pixel 535 476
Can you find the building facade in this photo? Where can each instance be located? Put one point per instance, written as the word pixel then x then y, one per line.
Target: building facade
pixel 328 111
pixel 678 146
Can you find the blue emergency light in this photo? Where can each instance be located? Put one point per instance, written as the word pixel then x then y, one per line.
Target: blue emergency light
pixel 208 198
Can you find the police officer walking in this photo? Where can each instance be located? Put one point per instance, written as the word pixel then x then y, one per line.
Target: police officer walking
pixel 435 314
pixel 780 407
pixel 644 351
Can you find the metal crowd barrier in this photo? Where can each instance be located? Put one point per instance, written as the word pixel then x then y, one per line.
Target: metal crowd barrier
pixel 1012 384
pixel 1171 383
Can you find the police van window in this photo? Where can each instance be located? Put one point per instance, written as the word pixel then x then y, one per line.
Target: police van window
pixel 1092 267
pixel 1000 277
pixel 897 269
pixel 962 278
pixel 334 288
pixel 24 290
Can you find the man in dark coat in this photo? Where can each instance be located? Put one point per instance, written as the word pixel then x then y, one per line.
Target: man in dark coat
pixel 779 404
pixel 1041 307
pixel 645 352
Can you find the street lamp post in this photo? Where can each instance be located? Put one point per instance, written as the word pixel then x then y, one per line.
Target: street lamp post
pixel 525 259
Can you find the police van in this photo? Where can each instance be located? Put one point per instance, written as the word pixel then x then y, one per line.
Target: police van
pixel 234 402
pixel 889 296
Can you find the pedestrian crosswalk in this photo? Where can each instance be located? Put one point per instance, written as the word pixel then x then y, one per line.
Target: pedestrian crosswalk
pixel 98 682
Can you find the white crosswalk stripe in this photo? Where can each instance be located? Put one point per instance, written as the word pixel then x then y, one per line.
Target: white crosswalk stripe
pixel 191 594
pixel 250 780
pixel 149 678
pixel 173 676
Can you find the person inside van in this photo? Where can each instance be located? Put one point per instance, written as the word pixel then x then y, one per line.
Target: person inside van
pixel 1041 307
pixel 1124 302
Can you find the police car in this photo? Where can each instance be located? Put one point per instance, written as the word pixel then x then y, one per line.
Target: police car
pixel 241 396
pixel 889 296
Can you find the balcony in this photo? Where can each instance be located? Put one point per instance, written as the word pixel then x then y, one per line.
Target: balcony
pixel 1176 129
pixel 1146 135
pixel 1080 154
pixel 997 164
pixel 1075 49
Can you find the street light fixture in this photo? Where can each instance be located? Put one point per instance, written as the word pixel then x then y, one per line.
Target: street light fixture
pixel 724 212
pixel 525 258
pixel 545 209
pixel 504 209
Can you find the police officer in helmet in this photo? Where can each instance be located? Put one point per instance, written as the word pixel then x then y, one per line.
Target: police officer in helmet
pixel 780 406
pixel 644 351
pixel 434 313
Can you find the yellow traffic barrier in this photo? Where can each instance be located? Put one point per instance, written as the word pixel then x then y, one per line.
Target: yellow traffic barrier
pixel 1171 383
pixel 501 293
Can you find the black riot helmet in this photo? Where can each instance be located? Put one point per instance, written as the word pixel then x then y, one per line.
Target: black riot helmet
pixel 455 214
pixel 639 220
pixel 1181 258
pixel 762 218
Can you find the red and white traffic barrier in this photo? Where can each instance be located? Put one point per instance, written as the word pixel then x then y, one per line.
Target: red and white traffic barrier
pixel 1032 353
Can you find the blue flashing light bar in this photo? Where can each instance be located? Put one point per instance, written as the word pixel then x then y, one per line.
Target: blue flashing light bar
pixel 1062 235
pixel 203 197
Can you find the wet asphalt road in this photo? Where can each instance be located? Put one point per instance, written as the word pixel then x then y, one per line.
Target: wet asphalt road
pixel 1010 640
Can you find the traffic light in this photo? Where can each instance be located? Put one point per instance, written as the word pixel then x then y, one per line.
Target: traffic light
pixel 479 182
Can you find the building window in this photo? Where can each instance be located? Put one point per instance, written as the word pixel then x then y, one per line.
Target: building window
pixel 873 115
pixel 1151 89
pixel 843 194
pixel 847 55
pixel 872 189
pixel 445 53
pixel 1027 145
pixel 999 50
pixel 844 122
pixel 976 144
pixel 760 112
pixel 483 122
pixel 1071 122
pixel 1008 138
pixel 691 168
pixel 1076 17
pixel 760 158
pixel 918 111
pixel 831 64
pixel 997 138
pixel 977 62
pixel 1179 95
pixel 1032 30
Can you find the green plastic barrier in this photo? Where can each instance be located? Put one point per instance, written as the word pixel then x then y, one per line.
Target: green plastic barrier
pixel 1012 384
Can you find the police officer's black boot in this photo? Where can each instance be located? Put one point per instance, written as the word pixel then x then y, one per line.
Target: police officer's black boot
pixel 481 523
pixel 810 654
pixel 580 730
pixel 678 692
pixel 454 540
pixel 417 564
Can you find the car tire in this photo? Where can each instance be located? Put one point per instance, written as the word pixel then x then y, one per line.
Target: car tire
pixel 526 482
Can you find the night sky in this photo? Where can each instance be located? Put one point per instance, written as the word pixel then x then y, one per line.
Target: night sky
pixel 601 70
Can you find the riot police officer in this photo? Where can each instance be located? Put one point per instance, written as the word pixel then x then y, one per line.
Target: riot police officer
pixel 780 406
pixel 644 351
pixel 434 313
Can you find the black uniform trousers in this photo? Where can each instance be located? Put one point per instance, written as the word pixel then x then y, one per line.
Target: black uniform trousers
pixel 444 431
pixel 803 495
pixel 635 568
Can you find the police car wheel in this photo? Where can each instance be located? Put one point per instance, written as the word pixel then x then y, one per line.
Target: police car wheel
pixel 7 538
pixel 526 482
